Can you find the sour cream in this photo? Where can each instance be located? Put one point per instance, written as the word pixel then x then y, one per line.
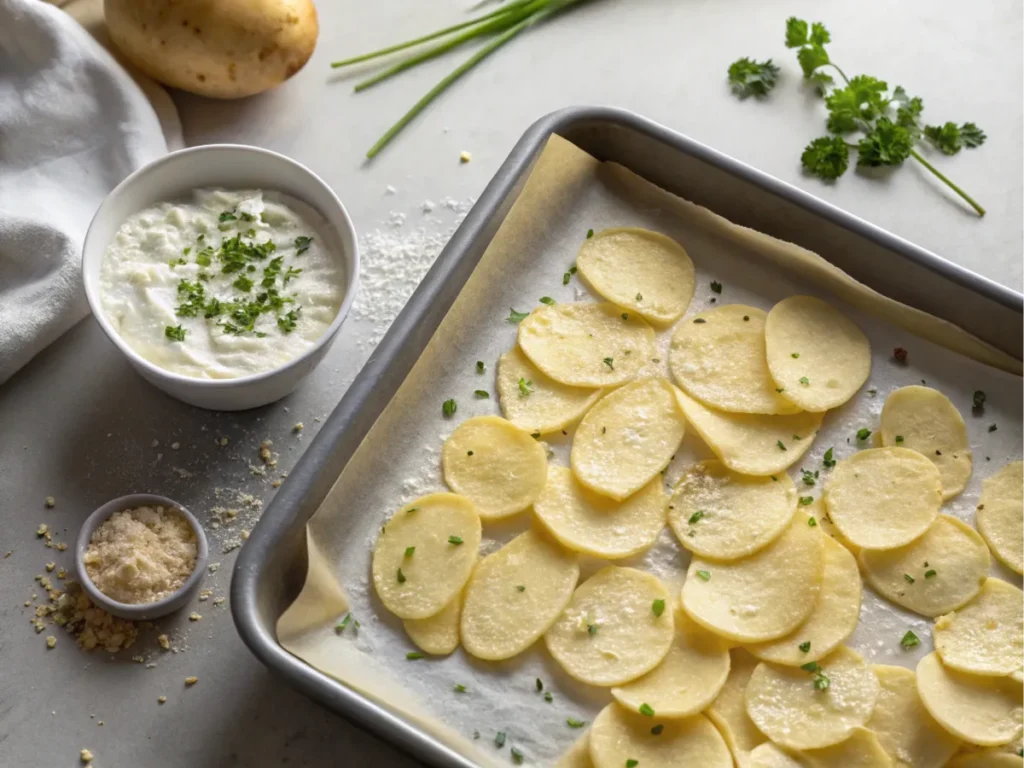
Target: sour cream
pixel 228 284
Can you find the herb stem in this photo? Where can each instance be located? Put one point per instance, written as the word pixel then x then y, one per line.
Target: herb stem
pixel 970 201
pixel 841 73
pixel 427 38
pixel 455 74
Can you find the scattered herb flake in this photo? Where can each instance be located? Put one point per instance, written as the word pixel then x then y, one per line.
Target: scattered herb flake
pixel 828 459
pixel 499 739
pixel 400 576
pixel 547 300
pixel 805 647
pixel 978 400
pixel 459 688
pixel 899 438
pixel 646 710
pixel 910 640
pixel 591 629
pixel 302 244
pixel 448 408
pixel 863 433
pixel 572 722
pixel 521 587
pixel 483 394
pixel 930 574
pixel 413 655
pixel 480 367
pixel 696 516
pixel 548 697
pixel 805 381
pixel 590 233
pixel 699 321
pixel 409 551
pixel 658 607
pixel 795 355
pixel 517 756
pixel 704 575
pixel 716 286
pixel 609 362
pixel 525 387
pixel 656 730
pixel 781 445
pixel 811 522
pixel 806 500
pixel 515 317
pixel 456 540
pixel 908 578
pixel 174 332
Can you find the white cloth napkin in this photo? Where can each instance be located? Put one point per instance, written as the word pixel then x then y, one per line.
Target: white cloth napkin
pixel 73 124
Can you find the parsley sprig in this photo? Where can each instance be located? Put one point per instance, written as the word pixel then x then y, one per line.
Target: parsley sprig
pixel 886 123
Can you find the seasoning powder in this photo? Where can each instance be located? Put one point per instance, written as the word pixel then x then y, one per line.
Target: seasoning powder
pixel 141 555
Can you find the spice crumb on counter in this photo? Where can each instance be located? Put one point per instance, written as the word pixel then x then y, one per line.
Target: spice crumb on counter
pixel 86 756
pixel 51 641
pixel 299 426
pixel 190 681
pixel 161 699
pixel 194 616
pixel 465 157
pixel 164 642
pixel 50 502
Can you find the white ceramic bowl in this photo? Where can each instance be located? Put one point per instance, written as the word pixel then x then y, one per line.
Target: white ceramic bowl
pixel 230 166
pixel 141 611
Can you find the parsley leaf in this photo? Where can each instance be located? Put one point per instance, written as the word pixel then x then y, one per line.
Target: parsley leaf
pixel 950 138
pixel 861 101
pixel 752 78
pixel 448 407
pixel 174 332
pixel 887 144
pixel 517 317
pixel 827 157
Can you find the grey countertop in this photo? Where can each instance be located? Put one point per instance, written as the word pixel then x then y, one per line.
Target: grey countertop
pixel 78 424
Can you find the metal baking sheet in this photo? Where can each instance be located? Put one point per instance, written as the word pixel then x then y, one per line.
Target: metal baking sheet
pixel 271 568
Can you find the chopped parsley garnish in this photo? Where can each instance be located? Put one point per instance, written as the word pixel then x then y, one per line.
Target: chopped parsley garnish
pixel 828 459
pixel 566 278
pixel 226 216
pixel 646 709
pixel 409 551
pixel 780 390
pixel 797 437
pixel 548 697
pixel 808 477
pixel 400 576
pixel 992 427
pixel 411 510
pixel 810 666
pixel 243 283
pixel 572 722
pixel 609 362
pixel 625 316
pixel 515 317
pixel 177 262
pixel 499 739
pixel 302 244
pixel 658 607
pixel 806 500
pixel 547 300
pixel 288 320
pixel 341 625
pixel 483 394
pixel 716 286
pixel 696 516
pixel 908 578
pixel 521 587
pixel 781 445
pixel 863 433
pixel 805 647
pixel 821 680
pixel 448 407
pixel 517 756
pixel 899 438
pixel 795 355
pixel 930 574
pixel 413 655
pixel 631 763
pixel 480 367
pixel 656 730
pixel 639 297
pixel 459 688
pixel 910 640
pixel 978 400
pixel 525 387
pixel 591 629
pixel 539 684
pixel 805 381
pixel 704 575
pixel 590 233
pixel 456 540
pixel 699 320
pixel 811 522
pixel 748 77
pixel 174 332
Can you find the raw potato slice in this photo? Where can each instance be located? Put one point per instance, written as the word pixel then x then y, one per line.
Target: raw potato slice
pixel 834 618
pixel 594 524
pixel 628 438
pixel 752 444
pixel 687 680
pixel 437 635
pixel 572 342
pixel 542 404
pixel 578 755
pixel 986 636
pixel 732 515
pixel 908 734
pixel 990 758
pixel 1000 515
pixel 619 737
pixel 982 710
pixel 952 550
pixel 495 464
pixel 729 711
pixel 768 755
pixel 718 357
pixel 761 597
pixel 499 619
pixel 861 750
pixel 816 509
pixel 418 584
pixel 923 419
pixel 786 704
pixel 639 270
pixel 817 356
pixel 883 498
pixel 608 633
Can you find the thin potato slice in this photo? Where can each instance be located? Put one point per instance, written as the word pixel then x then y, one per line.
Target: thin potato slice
pixel 982 710
pixel 1000 515
pixel 729 711
pixel 861 750
pixel 535 402
pixel 437 635
pixel 639 270
pixel 883 498
pixel 924 420
pixel 627 438
pixel 816 355
pixel 688 678
pixel 578 755
pixel 609 634
pixel 768 755
pixel 906 731
pixel 986 636
pixel 425 554
pixel 495 464
pixel 723 515
pixel 834 618
pixel 810 709
pixel 620 738
pixel 936 574
pixel 586 344
pixel 596 525
pixel 718 358
pixel 752 444
pixel 515 594
pixel 761 597
pixel 989 758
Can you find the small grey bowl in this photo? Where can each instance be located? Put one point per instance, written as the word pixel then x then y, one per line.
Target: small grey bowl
pixel 140 611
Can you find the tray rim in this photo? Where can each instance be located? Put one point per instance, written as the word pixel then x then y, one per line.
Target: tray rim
pixel 285 511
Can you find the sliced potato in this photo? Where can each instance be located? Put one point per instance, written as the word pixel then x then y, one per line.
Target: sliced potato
pixel 1000 515
pixel 620 738
pixel 986 636
pixel 535 402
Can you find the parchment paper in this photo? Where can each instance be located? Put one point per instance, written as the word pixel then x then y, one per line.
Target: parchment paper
pixel 568 193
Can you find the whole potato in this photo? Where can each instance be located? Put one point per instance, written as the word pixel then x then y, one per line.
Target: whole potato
pixel 221 48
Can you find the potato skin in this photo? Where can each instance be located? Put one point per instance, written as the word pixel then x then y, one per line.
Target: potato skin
pixel 226 49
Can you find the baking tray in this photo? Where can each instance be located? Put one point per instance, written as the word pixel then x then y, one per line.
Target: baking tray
pixel 271 567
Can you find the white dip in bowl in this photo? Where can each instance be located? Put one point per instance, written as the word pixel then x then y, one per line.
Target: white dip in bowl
pixel 226 284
